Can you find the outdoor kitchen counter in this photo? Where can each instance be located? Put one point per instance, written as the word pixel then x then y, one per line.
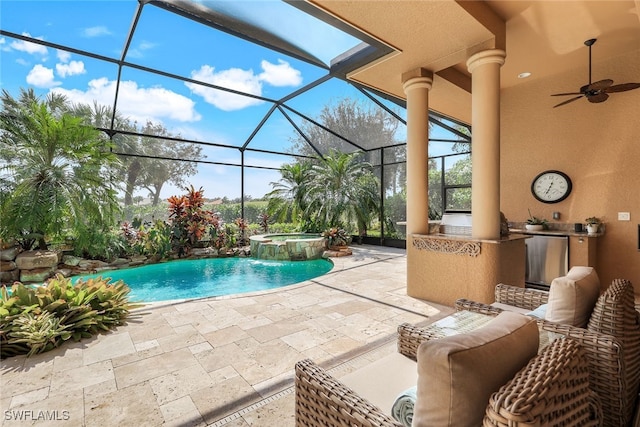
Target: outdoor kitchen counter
pixel 446 267
pixel 582 246
pixel 570 233
pixel 445 236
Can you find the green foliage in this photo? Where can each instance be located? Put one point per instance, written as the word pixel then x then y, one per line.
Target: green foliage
pixel 264 218
pixel 149 239
pixel 336 189
pixel 38 333
pixel 363 123
pixel 336 236
pixel 228 212
pixel 534 220
pixel 146 213
pixel 284 227
pixel 593 220
pixel 341 189
pixel 287 200
pixel 395 209
pixel 36 319
pixel 55 171
pixel 96 243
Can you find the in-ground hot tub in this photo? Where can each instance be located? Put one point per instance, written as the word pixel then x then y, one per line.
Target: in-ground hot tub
pixel 285 247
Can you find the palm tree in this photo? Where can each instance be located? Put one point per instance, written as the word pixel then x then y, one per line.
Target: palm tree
pixel 341 191
pixel 287 199
pixel 54 170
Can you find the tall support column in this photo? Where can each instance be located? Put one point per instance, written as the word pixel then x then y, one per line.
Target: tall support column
pixel 416 86
pixel 485 158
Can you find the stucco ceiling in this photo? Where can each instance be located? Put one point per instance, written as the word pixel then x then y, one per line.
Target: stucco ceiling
pixel 542 37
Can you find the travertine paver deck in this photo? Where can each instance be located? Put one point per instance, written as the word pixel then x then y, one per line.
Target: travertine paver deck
pixel 219 361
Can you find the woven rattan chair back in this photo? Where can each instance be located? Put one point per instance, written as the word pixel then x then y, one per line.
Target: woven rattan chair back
pixel 614 314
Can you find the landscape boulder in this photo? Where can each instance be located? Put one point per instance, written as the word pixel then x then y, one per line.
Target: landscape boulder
pixel 36 275
pixel 31 260
pixel 9 254
pixel 92 264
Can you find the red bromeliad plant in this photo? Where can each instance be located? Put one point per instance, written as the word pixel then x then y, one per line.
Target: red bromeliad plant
pixel 189 219
pixel 242 227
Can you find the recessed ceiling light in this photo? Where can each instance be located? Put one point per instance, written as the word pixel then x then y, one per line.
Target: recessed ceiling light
pixel 524 75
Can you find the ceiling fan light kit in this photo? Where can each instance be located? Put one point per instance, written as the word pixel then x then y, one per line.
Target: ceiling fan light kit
pixel 596 92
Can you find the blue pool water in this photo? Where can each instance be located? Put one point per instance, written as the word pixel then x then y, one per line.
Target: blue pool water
pixel 186 279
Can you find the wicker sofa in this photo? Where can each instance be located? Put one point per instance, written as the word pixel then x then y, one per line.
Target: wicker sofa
pixel 611 341
pixel 551 390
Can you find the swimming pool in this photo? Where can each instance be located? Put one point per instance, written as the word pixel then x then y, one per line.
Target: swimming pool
pixel 186 279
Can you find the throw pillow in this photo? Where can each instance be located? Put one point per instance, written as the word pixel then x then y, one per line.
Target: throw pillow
pixel 457 374
pixel 538 313
pixel 572 297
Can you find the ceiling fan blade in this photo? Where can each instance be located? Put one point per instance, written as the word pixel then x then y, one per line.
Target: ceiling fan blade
pixel 568 101
pixel 599 97
pixel 568 93
pixel 622 87
pixel 599 85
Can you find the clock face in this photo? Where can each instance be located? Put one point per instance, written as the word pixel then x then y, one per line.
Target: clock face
pixel 551 186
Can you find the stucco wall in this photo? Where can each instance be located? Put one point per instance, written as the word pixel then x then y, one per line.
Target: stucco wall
pixel 443 277
pixel 597 145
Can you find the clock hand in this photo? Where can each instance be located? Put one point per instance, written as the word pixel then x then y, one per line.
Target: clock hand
pixel 549 188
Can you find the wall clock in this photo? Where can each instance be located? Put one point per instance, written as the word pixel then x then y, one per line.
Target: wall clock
pixel 551 186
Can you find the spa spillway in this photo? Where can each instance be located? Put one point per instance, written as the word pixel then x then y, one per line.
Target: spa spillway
pixel 285 247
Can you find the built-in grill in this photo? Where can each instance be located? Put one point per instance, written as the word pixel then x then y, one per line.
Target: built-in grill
pixel 456 223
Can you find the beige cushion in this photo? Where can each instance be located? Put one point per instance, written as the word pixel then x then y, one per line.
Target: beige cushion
pixel 458 374
pixel 382 381
pixel 572 297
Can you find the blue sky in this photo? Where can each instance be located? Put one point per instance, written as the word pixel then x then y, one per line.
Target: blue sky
pixel 177 46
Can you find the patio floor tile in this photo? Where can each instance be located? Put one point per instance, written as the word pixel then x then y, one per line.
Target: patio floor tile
pixel 130 406
pixel 224 361
pixel 80 377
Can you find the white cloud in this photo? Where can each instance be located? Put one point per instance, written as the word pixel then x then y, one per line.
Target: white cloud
pixel 141 104
pixel 234 78
pixel 41 76
pixel 138 51
pixel 63 56
pixel 70 69
pixel 281 74
pixel 28 47
pixel 96 31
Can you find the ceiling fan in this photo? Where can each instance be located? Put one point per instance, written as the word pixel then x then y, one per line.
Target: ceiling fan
pixel 597 91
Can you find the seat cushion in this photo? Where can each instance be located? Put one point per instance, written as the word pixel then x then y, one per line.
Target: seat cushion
pixel 457 374
pixel 572 297
pixel 382 381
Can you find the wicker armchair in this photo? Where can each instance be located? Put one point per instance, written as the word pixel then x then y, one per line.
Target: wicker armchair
pixel 551 390
pixel 611 342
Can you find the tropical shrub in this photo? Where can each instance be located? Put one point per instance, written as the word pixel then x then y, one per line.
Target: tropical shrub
pixel 97 243
pixel 189 220
pixel 54 171
pixel 337 236
pixel 37 319
pixel 287 199
pixel 228 212
pixel 263 220
pixel 149 239
pixel 338 188
pixel 242 231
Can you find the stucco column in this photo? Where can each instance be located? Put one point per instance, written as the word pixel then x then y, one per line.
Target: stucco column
pixel 416 86
pixel 485 158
